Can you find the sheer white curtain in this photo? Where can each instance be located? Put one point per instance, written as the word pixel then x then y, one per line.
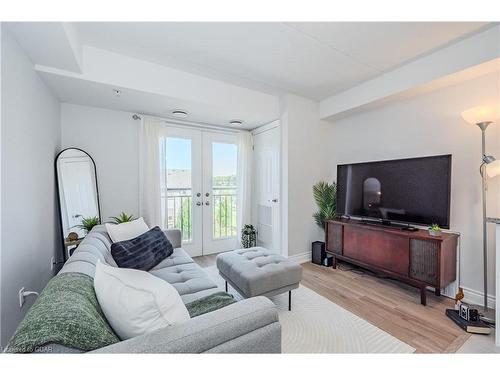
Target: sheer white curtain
pixel 245 143
pixel 149 171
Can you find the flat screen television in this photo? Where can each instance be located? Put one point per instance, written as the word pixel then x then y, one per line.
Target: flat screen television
pixel 409 191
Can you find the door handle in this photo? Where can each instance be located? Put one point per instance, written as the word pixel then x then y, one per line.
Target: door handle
pixel 207 194
pixel 207 203
pixel 275 200
pixel 198 203
pixel 198 194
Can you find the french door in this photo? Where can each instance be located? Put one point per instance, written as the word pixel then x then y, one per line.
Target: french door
pixel 199 188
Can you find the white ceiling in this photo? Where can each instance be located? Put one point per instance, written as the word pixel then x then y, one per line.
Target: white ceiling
pixel 98 94
pixel 315 60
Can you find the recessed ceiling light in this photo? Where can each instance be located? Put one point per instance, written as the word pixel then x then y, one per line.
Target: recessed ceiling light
pixel 117 92
pixel 236 122
pixel 179 113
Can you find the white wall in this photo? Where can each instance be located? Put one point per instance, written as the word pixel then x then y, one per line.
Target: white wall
pixel 305 158
pixel 431 125
pixel 30 141
pixel 111 138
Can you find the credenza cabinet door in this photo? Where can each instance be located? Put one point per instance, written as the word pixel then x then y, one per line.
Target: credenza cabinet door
pixel 334 241
pixel 424 260
pixel 377 248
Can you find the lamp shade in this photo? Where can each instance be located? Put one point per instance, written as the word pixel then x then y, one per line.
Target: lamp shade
pixel 493 169
pixel 484 113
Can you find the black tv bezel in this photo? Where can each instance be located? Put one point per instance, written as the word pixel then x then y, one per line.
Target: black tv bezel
pixel 378 220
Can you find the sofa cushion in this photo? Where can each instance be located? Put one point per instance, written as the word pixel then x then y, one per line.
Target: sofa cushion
pixel 126 231
pixel 136 302
pixel 178 257
pixel 66 313
pixel 187 279
pixel 142 252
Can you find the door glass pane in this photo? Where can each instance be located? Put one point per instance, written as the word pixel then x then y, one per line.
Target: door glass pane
pixel 176 189
pixel 224 187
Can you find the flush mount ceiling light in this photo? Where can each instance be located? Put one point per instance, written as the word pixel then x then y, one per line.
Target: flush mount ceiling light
pixel 236 122
pixel 117 92
pixel 179 113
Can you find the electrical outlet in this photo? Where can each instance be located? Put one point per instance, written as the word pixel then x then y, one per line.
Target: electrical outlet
pixel 52 263
pixel 21 297
pixel 24 293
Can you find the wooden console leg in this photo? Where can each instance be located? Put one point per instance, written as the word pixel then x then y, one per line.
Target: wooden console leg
pixel 423 296
pixel 437 292
pixel 334 262
pixel 226 286
pixel 289 300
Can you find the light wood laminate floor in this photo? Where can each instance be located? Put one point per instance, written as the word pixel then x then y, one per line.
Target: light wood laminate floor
pixel 390 305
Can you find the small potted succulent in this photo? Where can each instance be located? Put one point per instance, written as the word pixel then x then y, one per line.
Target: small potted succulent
pixel 122 218
pixel 88 223
pixel 435 230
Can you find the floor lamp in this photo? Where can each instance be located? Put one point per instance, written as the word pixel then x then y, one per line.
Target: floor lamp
pixel 490 167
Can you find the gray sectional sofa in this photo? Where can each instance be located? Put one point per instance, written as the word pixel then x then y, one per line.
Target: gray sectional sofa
pixel 248 326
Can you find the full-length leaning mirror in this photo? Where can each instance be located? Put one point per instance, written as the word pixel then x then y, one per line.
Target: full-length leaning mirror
pixel 78 195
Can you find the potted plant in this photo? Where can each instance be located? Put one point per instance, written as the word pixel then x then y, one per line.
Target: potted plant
pixel 122 218
pixel 88 223
pixel 325 195
pixel 435 230
pixel 248 236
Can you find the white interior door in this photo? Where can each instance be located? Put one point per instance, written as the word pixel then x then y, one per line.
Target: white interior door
pixel 266 187
pixel 199 188
pixel 220 164
pixel 181 186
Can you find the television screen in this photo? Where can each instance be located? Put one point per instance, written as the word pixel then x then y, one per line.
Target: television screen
pixel 413 191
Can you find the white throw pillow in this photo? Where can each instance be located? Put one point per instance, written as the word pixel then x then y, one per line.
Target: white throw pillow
pixel 136 302
pixel 126 231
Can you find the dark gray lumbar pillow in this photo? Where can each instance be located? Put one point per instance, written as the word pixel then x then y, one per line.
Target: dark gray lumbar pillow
pixel 143 252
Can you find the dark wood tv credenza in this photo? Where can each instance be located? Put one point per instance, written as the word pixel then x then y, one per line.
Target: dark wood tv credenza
pixel 415 258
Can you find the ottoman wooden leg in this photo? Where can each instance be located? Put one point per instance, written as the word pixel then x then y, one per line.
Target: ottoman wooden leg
pixel 226 286
pixel 289 300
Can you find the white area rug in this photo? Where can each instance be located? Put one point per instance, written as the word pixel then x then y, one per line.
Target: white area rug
pixel 317 325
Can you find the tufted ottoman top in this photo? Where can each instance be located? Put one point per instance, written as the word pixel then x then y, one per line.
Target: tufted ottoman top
pixel 258 271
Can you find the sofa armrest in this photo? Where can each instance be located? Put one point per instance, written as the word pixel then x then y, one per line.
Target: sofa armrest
pixel 174 236
pixel 248 326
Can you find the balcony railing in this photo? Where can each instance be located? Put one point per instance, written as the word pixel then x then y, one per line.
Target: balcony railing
pixel 177 206
pixel 224 214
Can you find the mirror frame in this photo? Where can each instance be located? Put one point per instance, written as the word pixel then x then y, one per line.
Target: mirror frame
pixel 61 230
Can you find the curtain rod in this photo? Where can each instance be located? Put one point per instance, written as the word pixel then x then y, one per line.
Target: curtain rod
pixel 190 124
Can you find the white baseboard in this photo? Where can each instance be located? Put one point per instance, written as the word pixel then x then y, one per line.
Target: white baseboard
pixel 476 298
pixel 301 258
pixel 471 296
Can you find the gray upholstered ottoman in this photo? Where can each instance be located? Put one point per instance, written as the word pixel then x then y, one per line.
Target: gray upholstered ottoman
pixel 259 272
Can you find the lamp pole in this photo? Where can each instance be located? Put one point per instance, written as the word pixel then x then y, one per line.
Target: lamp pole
pixel 487 315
